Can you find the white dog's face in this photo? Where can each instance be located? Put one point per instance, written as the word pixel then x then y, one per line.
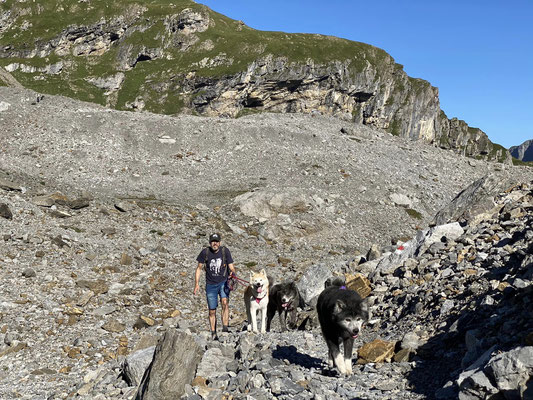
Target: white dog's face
pixel 351 317
pixel 259 281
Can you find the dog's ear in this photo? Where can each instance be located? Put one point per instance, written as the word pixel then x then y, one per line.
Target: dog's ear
pixel 263 272
pixel 334 281
pixel 339 306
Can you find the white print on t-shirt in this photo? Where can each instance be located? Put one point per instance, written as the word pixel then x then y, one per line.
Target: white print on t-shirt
pixel 215 265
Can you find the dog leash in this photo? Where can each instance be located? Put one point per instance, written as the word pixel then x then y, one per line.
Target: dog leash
pixel 235 278
pixel 241 281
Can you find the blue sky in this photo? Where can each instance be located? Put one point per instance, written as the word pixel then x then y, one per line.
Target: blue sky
pixel 478 53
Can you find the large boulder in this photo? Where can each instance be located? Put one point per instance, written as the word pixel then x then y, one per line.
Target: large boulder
pixel 475 199
pixel 505 375
pixel 388 262
pixel 267 204
pixel 439 233
pixel 213 363
pixel 136 364
pixel 311 284
pixel 176 358
pixel 512 370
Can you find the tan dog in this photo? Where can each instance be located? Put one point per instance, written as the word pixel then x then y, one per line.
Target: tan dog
pixel 256 299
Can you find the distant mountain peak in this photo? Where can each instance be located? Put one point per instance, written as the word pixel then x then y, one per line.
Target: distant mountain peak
pixel 523 152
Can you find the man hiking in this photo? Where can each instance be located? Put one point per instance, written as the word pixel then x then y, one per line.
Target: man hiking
pixel 217 262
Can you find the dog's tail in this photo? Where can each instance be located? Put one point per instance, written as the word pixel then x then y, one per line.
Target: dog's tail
pixel 270 281
pixel 335 281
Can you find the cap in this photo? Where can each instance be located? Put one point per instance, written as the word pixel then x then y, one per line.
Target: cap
pixel 215 237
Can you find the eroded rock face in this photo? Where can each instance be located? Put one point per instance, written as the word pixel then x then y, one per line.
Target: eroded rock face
pixel 187 22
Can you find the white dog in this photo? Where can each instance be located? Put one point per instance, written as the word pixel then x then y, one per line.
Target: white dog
pixel 256 299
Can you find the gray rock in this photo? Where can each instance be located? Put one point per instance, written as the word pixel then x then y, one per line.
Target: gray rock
pixel 5 212
pixel 446 307
pixel 173 366
pixel 401 200
pixel 109 83
pixel 213 363
pixel 475 199
pixel 410 341
pixel 524 151
pixel 288 387
pixel 105 310
pixel 511 370
pixel 373 253
pixel 311 284
pixel 124 206
pixel 477 366
pixel 476 386
pixel 8 185
pixel 437 234
pixel 29 273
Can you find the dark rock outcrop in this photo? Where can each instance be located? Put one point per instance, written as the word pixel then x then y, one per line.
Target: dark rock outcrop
pixel 524 152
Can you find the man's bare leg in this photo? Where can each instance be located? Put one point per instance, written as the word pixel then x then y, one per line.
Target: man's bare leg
pixel 225 314
pixel 213 320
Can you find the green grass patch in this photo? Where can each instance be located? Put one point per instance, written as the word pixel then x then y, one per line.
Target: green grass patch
pixel 521 163
pixel 250 264
pixel 413 213
pixel 419 85
pixel 498 153
pixel 247 111
pixel 395 127
pixel 444 141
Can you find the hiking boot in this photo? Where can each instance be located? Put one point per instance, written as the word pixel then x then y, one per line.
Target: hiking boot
pixel 214 335
pixel 225 328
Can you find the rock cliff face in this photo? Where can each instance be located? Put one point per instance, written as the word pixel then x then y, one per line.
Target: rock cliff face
pixel 183 57
pixel 524 152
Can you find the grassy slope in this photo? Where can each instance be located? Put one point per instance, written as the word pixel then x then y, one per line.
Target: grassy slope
pixel 49 18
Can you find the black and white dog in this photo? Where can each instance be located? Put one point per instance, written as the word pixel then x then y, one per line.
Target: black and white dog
pixel 341 313
pixel 285 299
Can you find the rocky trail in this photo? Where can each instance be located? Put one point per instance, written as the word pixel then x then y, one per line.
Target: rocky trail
pixel 102 214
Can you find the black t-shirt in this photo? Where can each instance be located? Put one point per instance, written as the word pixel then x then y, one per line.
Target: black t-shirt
pixel 215 272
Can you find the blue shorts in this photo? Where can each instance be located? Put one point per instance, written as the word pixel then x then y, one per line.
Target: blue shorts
pixel 213 291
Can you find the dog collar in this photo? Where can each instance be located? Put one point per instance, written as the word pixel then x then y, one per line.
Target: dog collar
pixel 342 287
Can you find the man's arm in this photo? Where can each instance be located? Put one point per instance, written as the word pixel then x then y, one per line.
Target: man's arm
pixel 197 277
pixel 232 268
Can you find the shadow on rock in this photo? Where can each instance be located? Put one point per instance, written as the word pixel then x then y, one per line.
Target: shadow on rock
pixel 491 322
pixel 291 354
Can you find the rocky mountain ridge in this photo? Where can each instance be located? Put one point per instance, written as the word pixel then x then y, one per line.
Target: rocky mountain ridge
pixel 102 214
pixel 183 57
pixel 524 152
